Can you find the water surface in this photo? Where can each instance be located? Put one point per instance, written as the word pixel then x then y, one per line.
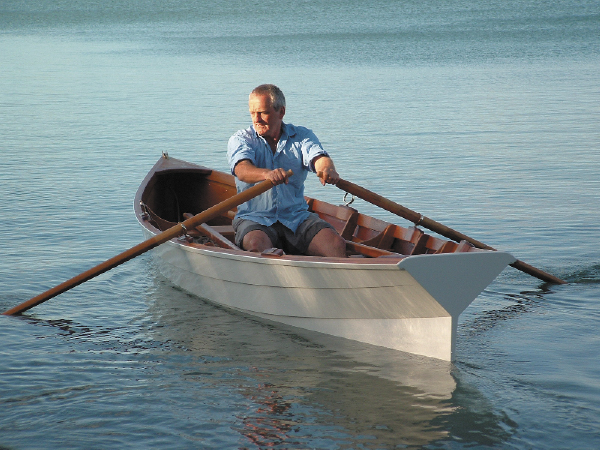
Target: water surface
pixel 482 115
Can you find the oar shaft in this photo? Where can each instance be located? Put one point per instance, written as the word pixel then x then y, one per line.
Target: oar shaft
pixel 430 224
pixel 148 244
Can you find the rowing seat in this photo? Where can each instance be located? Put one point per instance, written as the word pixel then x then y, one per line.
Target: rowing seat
pixel 225 230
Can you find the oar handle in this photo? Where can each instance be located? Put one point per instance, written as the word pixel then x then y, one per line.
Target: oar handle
pixel 419 219
pixel 149 244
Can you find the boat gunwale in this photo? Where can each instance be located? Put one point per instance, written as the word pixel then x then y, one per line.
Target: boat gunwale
pixel 382 263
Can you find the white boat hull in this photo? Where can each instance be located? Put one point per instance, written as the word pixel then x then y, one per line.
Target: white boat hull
pixel 412 306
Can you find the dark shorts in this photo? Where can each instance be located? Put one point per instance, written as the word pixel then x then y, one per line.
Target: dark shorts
pixel 281 236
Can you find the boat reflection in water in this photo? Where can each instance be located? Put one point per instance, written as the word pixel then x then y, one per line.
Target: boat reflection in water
pixel 302 389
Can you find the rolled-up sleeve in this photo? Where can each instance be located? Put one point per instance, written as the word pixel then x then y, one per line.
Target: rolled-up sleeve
pixel 311 148
pixel 238 150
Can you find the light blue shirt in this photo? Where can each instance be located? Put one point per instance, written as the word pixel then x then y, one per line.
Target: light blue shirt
pixel 296 149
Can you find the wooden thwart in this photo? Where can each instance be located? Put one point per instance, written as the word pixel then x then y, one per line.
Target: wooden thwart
pixel 213 233
pixel 369 251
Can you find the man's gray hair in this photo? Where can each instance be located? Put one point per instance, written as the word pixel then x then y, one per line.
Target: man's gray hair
pixel 274 93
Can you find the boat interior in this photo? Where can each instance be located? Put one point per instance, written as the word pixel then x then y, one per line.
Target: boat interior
pixel 172 195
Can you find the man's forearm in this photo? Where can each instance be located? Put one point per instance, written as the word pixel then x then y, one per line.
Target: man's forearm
pixel 323 162
pixel 249 173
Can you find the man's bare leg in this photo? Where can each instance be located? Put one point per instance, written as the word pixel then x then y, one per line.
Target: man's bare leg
pixel 327 242
pixel 256 241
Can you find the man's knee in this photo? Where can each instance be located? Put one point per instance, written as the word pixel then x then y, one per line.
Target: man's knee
pixel 256 241
pixel 338 244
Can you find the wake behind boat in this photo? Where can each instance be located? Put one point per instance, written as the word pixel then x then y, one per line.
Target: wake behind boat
pixel 399 288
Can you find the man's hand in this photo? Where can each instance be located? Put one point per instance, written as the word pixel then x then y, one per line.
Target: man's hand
pixel 277 176
pixel 328 175
pixel 326 170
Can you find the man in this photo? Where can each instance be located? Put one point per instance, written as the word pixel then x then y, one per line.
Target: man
pixel 265 151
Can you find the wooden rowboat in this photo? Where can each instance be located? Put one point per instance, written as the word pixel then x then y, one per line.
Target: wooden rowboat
pixel 400 288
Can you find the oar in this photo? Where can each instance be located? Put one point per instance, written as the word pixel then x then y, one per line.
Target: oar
pixel 149 244
pixel 419 219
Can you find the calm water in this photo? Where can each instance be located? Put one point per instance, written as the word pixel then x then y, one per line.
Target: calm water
pixel 483 115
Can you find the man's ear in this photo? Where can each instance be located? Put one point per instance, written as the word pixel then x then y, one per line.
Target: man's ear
pixel 281 112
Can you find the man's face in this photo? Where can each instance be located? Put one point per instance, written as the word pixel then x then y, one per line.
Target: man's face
pixel 266 120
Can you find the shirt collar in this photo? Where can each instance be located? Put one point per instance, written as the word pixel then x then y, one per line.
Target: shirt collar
pixel 288 129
